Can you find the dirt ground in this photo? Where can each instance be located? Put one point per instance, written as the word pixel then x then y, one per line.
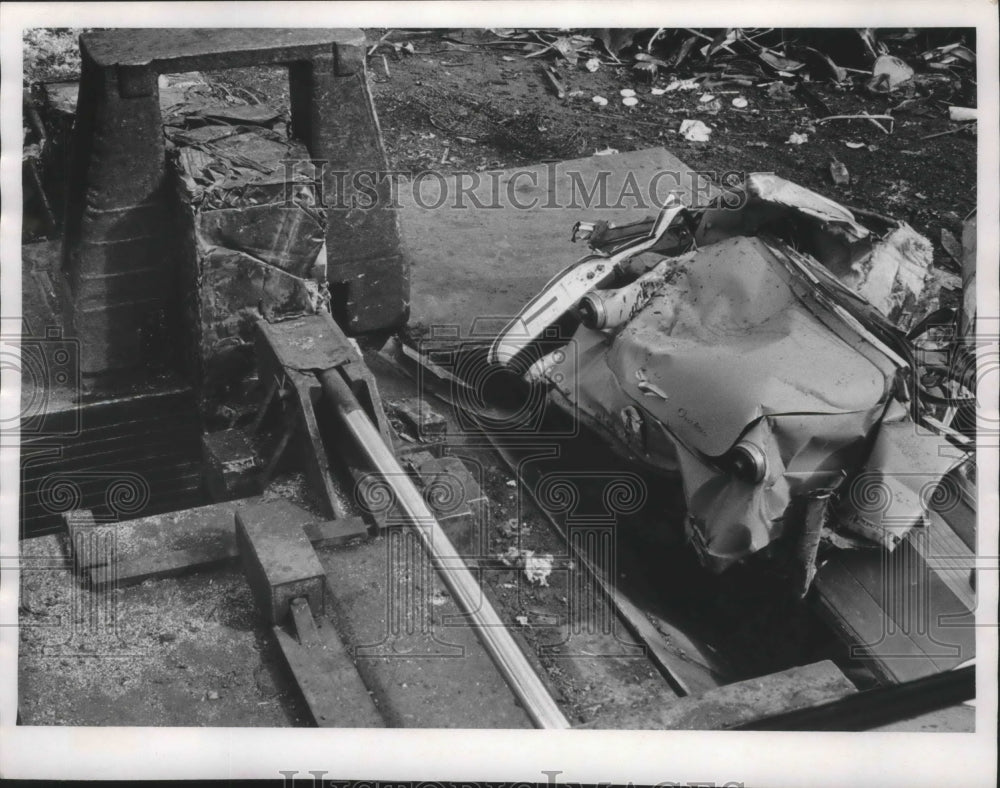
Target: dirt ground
pixel 450 106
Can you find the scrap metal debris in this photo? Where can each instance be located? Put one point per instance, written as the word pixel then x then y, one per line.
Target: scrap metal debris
pixel 757 361
pixel 839 173
pixel 921 73
pixel 888 74
pixel 873 119
pixel 694 131
pixel 682 84
pixel 557 85
pixel 878 62
pixel 247 249
pixel 648 65
pixel 537 567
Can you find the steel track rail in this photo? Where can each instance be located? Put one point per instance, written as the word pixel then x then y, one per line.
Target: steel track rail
pixel 635 621
pixel 511 661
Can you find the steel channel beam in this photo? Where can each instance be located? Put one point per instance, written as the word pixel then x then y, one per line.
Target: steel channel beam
pixel 493 633
pixel 877 707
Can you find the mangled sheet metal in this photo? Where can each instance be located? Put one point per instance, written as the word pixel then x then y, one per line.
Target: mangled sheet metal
pixel 254 242
pixel 725 345
pixel 883 260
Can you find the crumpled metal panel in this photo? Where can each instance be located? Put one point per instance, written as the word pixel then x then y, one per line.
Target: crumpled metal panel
pixel 890 269
pixel 286 237
pixel 901 477
pixel 237 166
pixel 242 288
pixel 707 337
pixel 732 348
pixel 766 187
pixel 254 243
pixel 766 366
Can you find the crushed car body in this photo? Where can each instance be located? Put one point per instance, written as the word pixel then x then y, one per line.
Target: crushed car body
pixel 732 346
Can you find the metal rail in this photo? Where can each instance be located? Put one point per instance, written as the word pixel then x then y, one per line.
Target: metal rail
pixel 516 669
pixel 663 658
pixel 876 707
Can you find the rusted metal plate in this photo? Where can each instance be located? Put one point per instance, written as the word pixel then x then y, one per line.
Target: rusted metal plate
pixel 206 529
pixel 182 542
pixel 308 343
pixel 333 533
pixel 159 566
pixel 420 420
pixel 232 466
pixel 278 558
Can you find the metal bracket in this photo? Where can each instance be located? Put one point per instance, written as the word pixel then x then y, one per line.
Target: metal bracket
pixel 291 355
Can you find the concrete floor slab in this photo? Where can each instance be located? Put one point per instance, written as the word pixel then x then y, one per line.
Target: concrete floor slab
pixel 480 245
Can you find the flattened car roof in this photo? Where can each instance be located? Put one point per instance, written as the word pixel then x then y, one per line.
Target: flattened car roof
pixel 730 340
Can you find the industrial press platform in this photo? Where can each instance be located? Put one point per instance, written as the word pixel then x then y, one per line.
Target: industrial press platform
pixel 362 550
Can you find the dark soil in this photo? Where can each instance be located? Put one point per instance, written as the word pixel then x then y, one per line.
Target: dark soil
pixel 457 103
pixel 468 106
pixel 450 107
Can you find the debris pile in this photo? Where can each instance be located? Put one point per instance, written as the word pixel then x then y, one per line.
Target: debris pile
pixel 252 241
pixel 918 67
pixel 537 567
pixel 762 357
